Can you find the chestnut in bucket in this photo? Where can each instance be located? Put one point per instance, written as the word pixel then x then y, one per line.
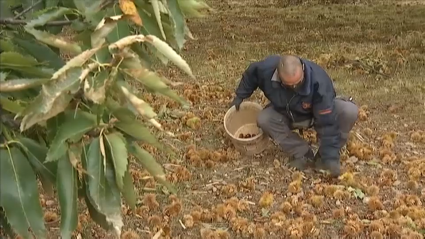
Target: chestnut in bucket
pixel 246 136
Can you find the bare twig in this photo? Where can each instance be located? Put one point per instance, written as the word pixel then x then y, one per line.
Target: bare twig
pixel 9 21
pixel 27 9
pixel 182 224
pixel 169 168
pixel 149 189
pixel 158 234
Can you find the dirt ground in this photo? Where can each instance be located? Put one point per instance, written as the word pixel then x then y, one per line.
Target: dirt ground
pixel 374 51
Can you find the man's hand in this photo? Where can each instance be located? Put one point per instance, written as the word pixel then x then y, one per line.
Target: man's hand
pixel 236 102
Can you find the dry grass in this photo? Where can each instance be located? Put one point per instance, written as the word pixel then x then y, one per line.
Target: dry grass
pixel 375 52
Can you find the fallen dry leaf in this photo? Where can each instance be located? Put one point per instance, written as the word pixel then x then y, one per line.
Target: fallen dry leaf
pixel 129 8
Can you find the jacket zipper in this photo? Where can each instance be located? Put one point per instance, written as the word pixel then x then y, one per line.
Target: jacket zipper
pixel 289 109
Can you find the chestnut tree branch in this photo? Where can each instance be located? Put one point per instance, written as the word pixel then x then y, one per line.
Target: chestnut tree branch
pixel 27 9
pixel 10 21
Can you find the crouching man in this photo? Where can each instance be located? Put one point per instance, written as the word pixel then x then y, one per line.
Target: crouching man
pixel 302 96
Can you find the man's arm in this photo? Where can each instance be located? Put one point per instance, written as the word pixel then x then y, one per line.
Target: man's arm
pixel 248 83
pixel 326 124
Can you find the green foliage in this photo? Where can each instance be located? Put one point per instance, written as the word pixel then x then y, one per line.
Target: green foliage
pixel 75 125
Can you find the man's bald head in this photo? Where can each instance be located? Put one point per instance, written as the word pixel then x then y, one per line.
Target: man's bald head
pixel 290 70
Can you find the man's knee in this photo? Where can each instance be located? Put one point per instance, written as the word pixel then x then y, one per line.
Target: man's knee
pixel 348 112
pixel 352 113
pixel 264 119
pixel 267 118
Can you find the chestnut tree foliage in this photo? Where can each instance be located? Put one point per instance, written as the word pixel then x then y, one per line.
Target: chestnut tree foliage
pixel 71 117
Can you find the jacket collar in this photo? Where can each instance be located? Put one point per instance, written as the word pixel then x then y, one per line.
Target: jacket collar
pixel 305 88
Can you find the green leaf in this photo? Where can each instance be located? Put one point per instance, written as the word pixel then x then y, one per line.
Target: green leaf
pixel 145 57
pixel 143 108
pixel 59 105
pixel 3 76
pixel 95 215
pixel 192 8
pixel 72 127
pixel 77 114
pixel 151 165
pixel 36 154
pixel 80 26
pixel 102 187
pixel 9 105
pixel 103 29
pixel 157 13
pixel 40 52
pixel 176 16
pixel 128 191
pixel 121 30
pixel 55 30
pixel 51 3
pixel 68 4
pixel 53 125
pixel 95 87
pixel 96 184
pixel 20 63
pixel 67 194
pixel 16 59
pixel 169 32
pixel 68 82
pixel 117 146
pixel 54 41
pixel 112 30
pixel 20 201
pixel 52 92
pixel 169 53
pixel 48 16
pixel 103 56
pixel 21 84
pixel 153 82
pixel 138 131
pixel 5 11
pixel 6 45
pixel 112 200
pixel 121 113
pixel 357 193
pixel 150 26
pixel 90 9
pixel 77 61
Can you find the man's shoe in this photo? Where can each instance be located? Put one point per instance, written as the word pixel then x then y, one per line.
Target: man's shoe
pixel 333 167
pixel 303 162
pixel 300 164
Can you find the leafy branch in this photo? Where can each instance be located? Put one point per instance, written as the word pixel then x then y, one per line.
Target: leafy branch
pixel 81 123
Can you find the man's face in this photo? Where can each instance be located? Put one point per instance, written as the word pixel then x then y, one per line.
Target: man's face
pixel 292 79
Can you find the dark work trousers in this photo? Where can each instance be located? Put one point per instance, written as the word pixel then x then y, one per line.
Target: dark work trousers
pixel 276 125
